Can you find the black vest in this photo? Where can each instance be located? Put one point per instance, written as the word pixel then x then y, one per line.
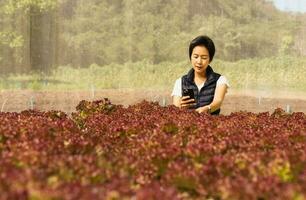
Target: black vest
pixel 206 95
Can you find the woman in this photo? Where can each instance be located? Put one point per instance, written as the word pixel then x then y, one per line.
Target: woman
pixel 208 87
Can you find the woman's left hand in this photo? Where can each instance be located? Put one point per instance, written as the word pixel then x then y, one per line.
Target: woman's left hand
pixel 204 109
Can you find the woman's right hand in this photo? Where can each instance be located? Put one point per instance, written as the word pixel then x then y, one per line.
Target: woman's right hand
pixel 186 102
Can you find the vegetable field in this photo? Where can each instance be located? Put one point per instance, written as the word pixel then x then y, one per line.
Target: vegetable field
pixel 145 151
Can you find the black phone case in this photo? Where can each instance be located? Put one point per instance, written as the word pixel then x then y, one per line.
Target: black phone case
pixel 188 92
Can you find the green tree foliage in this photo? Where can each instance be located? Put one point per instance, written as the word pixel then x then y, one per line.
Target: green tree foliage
pixel 118 31
pixel 26 34
pixel 12 6
pixel 245 28
pixel 40 34
pixel 125 30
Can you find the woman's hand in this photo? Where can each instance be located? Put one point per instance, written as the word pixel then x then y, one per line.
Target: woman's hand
pixel 186 102
pixel 204 109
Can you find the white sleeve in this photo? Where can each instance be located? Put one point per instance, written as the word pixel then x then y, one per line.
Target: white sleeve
pixel 177 89
pixel 222 80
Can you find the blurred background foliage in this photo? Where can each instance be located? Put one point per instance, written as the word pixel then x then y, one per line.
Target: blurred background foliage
pixel 140 43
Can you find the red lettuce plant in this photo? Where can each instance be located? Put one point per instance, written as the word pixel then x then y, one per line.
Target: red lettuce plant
pixel 146 151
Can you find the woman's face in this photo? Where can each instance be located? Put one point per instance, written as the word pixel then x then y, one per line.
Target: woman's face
pixel 200 59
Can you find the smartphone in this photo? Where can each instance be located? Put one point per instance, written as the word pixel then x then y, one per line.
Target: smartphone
pixel 188 92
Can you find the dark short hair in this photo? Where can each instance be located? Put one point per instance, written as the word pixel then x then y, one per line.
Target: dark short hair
pixel 205 41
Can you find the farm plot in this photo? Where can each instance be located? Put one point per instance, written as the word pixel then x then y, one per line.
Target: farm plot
pixel 145 151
